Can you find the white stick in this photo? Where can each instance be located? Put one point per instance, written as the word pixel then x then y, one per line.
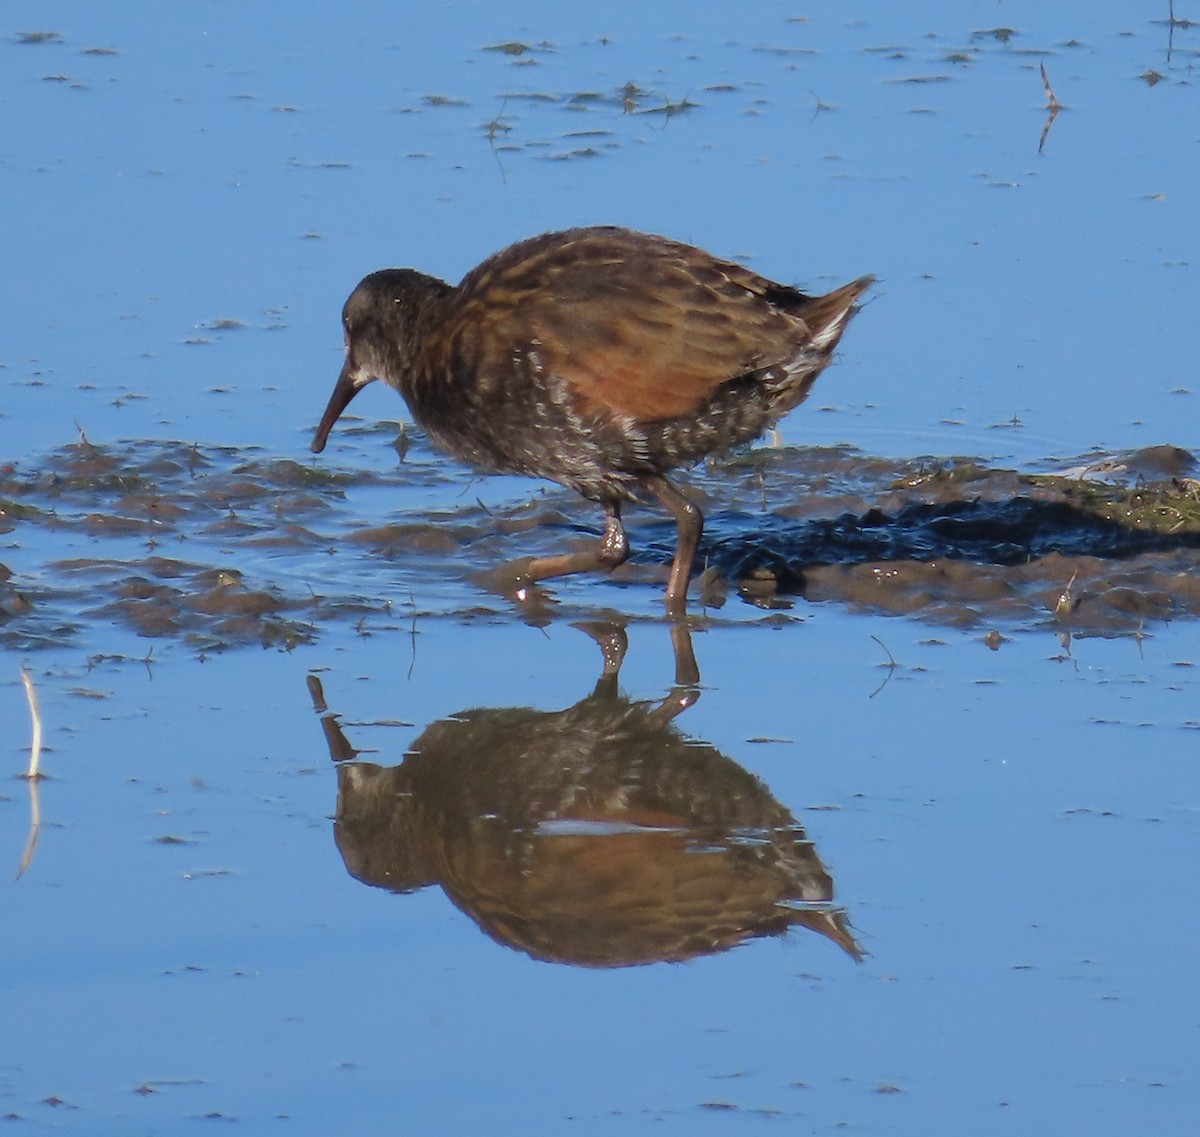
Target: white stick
pixel 35 743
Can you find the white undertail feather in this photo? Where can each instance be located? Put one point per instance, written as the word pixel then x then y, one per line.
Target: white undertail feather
pixel 823 337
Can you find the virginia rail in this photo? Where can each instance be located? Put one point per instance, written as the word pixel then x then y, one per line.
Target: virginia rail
pixel 599 358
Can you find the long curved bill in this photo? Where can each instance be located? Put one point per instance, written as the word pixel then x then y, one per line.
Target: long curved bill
pixel 348 385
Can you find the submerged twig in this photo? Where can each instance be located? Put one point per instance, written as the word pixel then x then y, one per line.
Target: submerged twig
pixel 1172 23
pixel 35 827
pixel 412 632
pixel 891 666
pixel 1052 103
pixel 1053 106
pixel 492 129
pixel 1066 602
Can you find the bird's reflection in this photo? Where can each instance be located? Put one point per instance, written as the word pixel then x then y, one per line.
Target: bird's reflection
pixel 599 835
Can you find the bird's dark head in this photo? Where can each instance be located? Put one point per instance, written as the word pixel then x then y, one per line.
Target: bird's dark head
pixel 381 321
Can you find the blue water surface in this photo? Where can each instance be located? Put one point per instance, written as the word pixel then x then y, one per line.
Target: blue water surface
pixel 192 190
pixel 250 163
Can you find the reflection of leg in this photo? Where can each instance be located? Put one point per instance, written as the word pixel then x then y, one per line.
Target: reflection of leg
pixel 690 522
pixel 687 671
pixel 340 749
pixel 613 643
pixel 613 550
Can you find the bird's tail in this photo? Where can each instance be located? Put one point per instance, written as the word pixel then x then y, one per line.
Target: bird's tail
pixel 827 316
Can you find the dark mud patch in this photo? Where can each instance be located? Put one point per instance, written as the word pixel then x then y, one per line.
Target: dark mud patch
pixel 217 547
pixel 1103 547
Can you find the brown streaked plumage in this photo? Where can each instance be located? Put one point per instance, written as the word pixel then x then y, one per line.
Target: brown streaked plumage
pixel 600 358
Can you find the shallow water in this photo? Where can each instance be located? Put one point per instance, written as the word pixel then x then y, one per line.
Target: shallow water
pixel 1007 832
pixel 336 835
pixel 216 548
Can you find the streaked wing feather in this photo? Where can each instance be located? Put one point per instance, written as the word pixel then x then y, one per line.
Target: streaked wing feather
pixel 643 328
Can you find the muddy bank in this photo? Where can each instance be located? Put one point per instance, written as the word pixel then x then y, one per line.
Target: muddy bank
pixel 1101 546
pixel 215 546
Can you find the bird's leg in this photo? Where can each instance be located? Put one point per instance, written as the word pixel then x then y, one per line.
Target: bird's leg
pixel 690 522
pixel 612 551
pixel 614 545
